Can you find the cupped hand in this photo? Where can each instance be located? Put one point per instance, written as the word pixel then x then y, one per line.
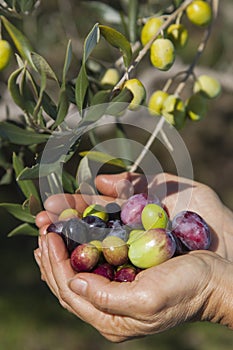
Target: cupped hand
pixel 184 288
pixel 158 299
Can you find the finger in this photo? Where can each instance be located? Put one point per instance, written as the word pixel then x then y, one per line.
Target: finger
pixel 113 327
pixel 44 218
pixel 45 268
pixel 37 255
pixel 56 203
pixel 114 297
pixel 43 230
pixel 62 273
pixel 82 201
pixel 121 185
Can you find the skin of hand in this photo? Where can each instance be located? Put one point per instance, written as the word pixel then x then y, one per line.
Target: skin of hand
pixel 196 286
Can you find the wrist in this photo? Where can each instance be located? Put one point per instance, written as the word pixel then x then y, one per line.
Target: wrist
pixel 228 232
pixel 218 305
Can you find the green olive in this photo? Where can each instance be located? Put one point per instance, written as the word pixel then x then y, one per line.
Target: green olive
pixel 5 54
pixel 162 54
pixel 110 77
pixel 156 101
pixel 96 210
pixel 196 107
pixel 174 111
pixel 199 13
pixel 178 34
pixel 150 28
pixel 208 86
pixel 138 91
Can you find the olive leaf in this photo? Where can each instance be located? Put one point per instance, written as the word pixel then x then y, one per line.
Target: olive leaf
pixel 118 40
pixel 19 136
pixel 19 212
pixel 91 41
pixel 82 82
pixel 42 66
pixel 27 187
pixel 133 15
pixel 24 229
pixel 21 42
pixel 14 89
pixel 67 62
pixel 81 86
pixel 103 158
pixel 63 101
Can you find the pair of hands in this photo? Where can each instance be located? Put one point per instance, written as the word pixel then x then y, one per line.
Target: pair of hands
pixel 184 288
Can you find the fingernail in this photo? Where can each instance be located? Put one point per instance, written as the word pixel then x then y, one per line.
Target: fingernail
pixel 78 286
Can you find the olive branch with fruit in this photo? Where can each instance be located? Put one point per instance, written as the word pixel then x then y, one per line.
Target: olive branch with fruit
pixel 96 90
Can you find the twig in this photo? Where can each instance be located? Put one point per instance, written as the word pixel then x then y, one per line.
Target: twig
pixel 177 92
pixel 146 48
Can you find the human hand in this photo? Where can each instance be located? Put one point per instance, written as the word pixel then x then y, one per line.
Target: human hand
pixel 185 288
pixel 197 286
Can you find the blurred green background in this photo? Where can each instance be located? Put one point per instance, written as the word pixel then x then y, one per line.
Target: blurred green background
pixel 31 318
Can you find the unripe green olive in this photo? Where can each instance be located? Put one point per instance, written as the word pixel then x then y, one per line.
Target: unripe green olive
pixel 69 213
pixel 96 210
pixel 138 91
pixel 150 28
pixel 199 13
pixel 110 77
pixel 174 111
pixel 178 34
pixel 162 54
pixel 5 54
pixel 208 86
pixel 156 101
pixel 196 107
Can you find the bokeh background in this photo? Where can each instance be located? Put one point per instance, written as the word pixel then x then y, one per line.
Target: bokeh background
pixel 30 317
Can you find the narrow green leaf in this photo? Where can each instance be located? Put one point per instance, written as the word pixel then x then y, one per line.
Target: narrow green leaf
pixel 42 65
pixel 91 41
pixel 19 212
pixel 133 15
pixel 20 136
pixel 38 170
pixel 67 62
pixel 21 42
pixel 24 229
pixel 26 92
pixel 49 106
pixel 43 84
pixel 63 107
pixel 118 40
pixel 103 158
pixel 81 86
pixel 27 187
pixel 14 89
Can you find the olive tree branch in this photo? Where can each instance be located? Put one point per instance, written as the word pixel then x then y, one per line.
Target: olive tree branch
pixel 146 48
pixel 177 92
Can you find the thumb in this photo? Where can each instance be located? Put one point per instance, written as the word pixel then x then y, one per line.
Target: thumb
pixel 121 185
